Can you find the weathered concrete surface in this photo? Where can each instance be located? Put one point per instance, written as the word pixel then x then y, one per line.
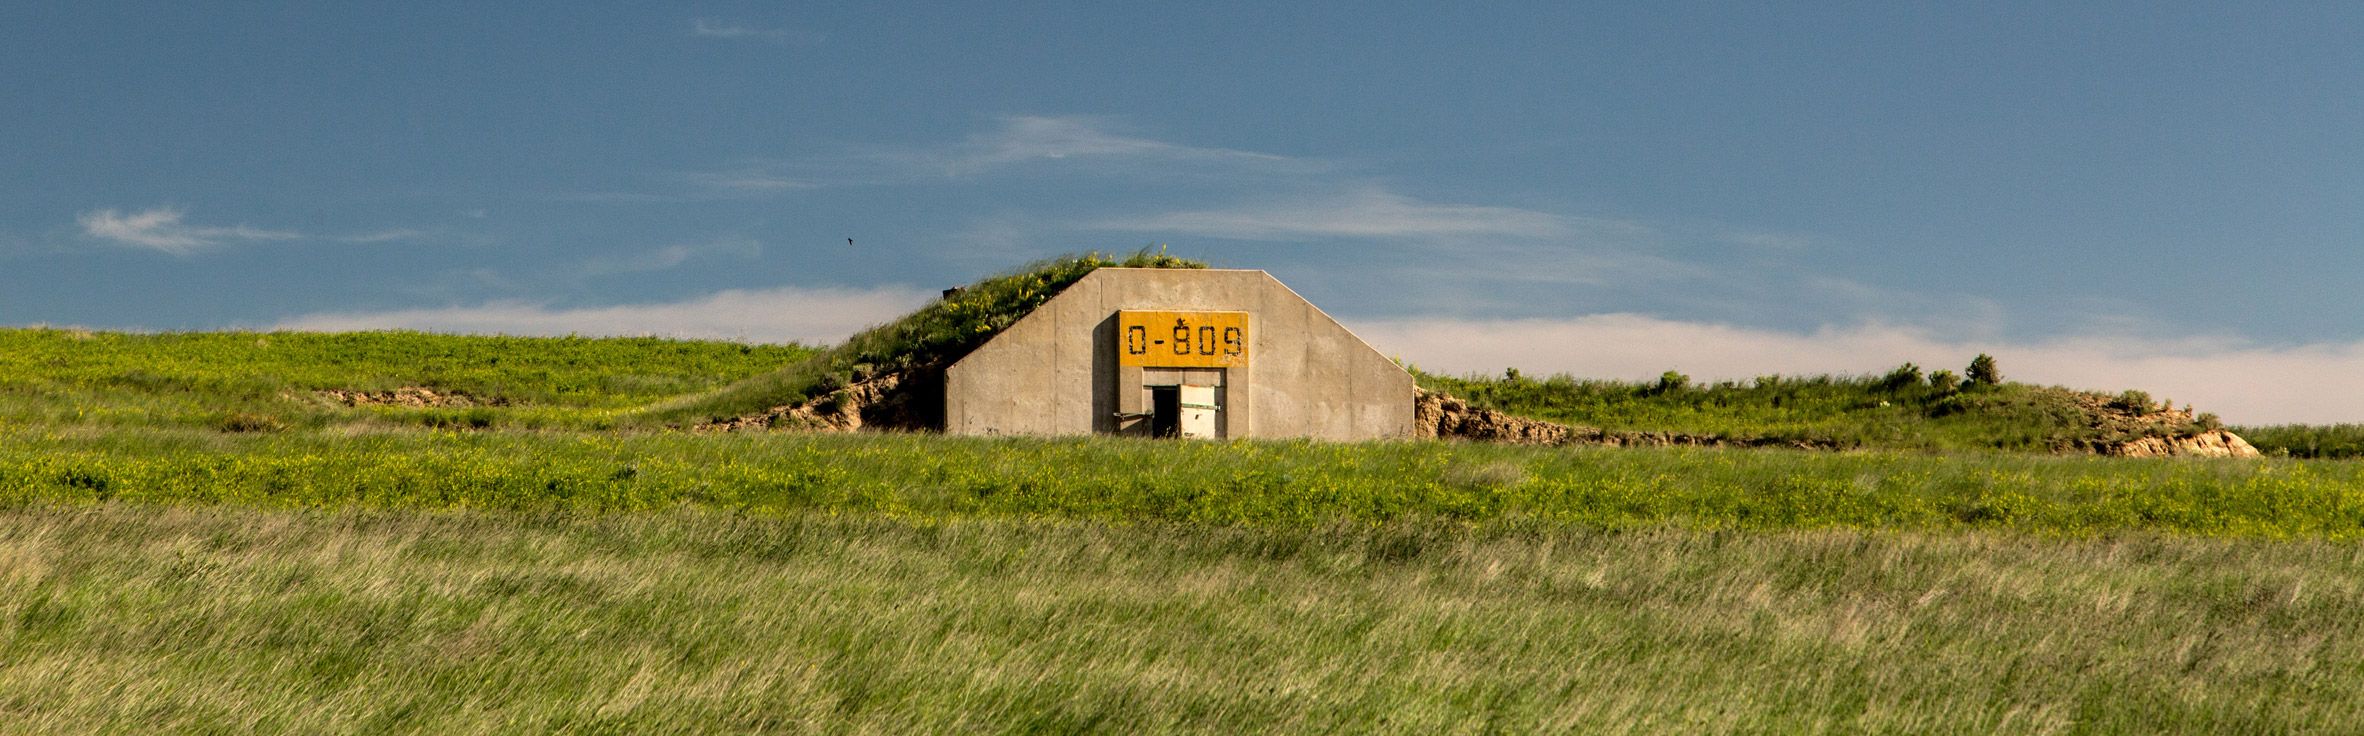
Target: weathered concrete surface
pixel 1055 372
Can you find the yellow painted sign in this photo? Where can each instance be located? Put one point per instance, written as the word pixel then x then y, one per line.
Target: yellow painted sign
pixel 1181 339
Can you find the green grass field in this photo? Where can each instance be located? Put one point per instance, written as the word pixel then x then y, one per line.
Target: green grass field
pixel 1258 483
pixel 230 619
pixel 194 539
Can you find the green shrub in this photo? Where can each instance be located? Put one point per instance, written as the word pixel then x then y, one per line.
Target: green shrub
pixel 2307 440
pixel 2134 402
pixel 1671 382
pixel 1903 376
pixel 1982 371
pixel 1944 381
pixel 247 422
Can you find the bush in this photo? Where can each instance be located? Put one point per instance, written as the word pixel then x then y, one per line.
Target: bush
pixel 245 422
pixel 1944 381
pixel 2133 401
pixel 1671 382
pixel 1982 371
pixel 1904 375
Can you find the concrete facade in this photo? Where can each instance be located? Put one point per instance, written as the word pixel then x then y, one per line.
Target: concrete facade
pixel 1056 371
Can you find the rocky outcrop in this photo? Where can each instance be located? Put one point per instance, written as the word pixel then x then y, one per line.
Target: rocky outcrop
pixel 898 401
pixel 2152 432
pixel 1439 415
pixel 1436 415
pixel 2138 429
pixel 416 397
pixel 2212 443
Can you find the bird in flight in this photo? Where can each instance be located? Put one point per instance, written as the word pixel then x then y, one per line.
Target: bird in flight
pixel 849 241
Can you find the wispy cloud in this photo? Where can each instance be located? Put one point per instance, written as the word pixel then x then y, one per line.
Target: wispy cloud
pixel 1776 241
pixel 1368 212
pixel 745 181
pixel 696 186
pixel 791 314
pixel 671 256
pixel 2246 383
pixel 1030 138
pixel 1079 144
pixel 161 229
pixel 382 236
pixel 165 229
pixel 712 28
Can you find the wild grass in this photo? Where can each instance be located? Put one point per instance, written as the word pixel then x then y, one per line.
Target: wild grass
pixel 1258 483
pixel 1899 410
pixel 268 381
pixel 231 619
pixel 2307 441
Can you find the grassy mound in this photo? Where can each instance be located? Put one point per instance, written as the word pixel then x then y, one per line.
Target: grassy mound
pixel 1899 410
pixel 246 381
pixel 927 340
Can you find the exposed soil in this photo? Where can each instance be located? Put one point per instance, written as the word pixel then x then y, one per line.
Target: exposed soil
pixel 897 401
pixel 1436 415
pixel 2131 431
pixel 416 397
pixel 2212 443
pixel 2153 431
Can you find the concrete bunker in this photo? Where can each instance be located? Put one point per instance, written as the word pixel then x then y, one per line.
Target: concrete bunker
pixel 1187 353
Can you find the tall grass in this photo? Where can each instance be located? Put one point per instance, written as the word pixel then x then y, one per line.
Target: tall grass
pixel 235 620
pixel 2308 441
pixel 1264 483
pixel 54 377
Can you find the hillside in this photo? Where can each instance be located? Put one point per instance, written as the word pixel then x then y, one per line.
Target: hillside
pixel 1903 409
pixel 250 380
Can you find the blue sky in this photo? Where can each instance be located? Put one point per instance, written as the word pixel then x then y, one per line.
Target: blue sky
pixel 2104 195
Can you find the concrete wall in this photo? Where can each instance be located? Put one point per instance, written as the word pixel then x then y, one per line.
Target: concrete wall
pixel 1055 372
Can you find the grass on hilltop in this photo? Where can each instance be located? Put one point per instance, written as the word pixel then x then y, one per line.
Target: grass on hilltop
pixel 2307 441
pixel 1902 409
pixel 52 377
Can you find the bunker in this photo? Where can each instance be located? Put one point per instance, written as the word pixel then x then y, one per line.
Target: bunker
pixel 1189 353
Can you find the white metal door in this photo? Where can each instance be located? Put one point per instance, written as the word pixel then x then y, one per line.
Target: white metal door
pixel 1199 411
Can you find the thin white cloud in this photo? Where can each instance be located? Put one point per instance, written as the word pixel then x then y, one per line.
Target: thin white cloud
pixel 812 316
pixel 713 28
pixel 672 256
pixel 1028 138
pixel 745 181
pixel 1368 212
pixel 161 229
pixel 1775 241
pixel 382 236
pixel 696 186
pixel 2245 383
